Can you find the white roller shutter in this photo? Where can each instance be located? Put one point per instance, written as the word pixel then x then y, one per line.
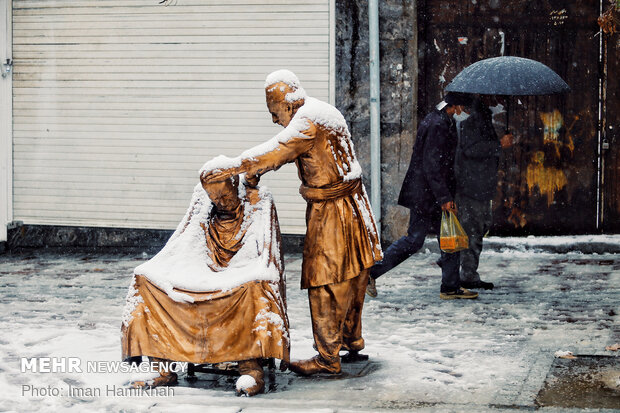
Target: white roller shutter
pixel 6 101
pixel 118 103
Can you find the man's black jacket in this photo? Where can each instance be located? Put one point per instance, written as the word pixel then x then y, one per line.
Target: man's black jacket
pixel 430 180
pixel 477 155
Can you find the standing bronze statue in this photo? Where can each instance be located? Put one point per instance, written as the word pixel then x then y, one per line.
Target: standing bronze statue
pixel 342 241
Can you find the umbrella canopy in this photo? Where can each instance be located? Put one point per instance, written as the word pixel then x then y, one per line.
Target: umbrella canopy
pixel 508 75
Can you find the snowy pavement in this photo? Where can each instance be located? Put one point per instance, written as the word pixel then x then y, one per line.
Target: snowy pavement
pixel 490 354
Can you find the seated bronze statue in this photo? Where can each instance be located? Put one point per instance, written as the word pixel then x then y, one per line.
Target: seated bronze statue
pixel 215 293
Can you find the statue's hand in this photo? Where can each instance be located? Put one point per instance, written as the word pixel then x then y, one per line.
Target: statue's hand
pixel 215 175
pixel 217 169
pixel 252 180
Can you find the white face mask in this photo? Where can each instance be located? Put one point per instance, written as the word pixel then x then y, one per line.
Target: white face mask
pixel 497 109
pixel 461 117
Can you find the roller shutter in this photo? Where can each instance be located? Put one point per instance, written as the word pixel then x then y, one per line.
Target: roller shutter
pixel 118 103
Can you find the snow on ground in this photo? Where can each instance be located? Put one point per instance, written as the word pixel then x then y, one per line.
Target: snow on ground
pixel 577 243
pixel 533 241
pixel 430 353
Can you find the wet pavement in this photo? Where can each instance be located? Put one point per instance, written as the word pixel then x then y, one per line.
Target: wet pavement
pixel 496 353
pixel 585 382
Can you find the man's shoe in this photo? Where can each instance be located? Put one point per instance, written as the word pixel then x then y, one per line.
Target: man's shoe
pixel 312 366
pixel 460 293
pixel 371 288
pixel 477 284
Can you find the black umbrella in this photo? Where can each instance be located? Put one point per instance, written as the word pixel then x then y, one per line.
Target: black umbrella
pixel 508 75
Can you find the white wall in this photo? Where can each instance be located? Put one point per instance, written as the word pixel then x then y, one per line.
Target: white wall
pixel 118 104
pixel 6 151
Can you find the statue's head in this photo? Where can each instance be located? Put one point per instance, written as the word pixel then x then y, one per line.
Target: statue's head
pixel 224 194
pixel 284 96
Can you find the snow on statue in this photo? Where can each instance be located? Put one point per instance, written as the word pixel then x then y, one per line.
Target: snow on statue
pixel 342 241
pixel 215 292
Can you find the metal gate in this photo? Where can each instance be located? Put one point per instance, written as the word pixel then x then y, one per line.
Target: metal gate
pixel 610 127
pixel 549 181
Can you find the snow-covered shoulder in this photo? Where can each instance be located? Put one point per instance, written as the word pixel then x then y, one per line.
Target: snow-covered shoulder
pixel 322 113
pixel 326 115
pixel 184 261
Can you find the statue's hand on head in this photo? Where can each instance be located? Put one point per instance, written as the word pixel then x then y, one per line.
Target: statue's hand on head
pixel 215 175
pixel 218 169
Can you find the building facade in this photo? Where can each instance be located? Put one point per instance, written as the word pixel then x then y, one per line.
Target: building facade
pixel 109 107
pixel 561 176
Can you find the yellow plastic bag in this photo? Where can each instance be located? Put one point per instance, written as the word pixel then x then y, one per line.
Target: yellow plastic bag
pixel 452 237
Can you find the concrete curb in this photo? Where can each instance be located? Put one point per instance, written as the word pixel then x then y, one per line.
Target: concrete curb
pixel 606 244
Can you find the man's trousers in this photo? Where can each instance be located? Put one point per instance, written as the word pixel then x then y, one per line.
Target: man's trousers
pixel 419 226
pixel 475 218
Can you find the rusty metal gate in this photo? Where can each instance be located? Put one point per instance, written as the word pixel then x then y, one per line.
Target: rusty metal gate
pixel 549 181
pixel 610 128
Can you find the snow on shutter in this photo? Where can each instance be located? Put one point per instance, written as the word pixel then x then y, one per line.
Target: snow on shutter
pixel 118 103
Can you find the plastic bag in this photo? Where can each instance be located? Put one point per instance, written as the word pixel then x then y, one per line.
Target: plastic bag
pixel 452 237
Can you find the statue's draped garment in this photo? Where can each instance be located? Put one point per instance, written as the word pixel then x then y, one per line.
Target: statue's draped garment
pixel 216 291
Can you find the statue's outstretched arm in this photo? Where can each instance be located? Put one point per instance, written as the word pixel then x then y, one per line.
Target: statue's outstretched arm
pixel 262 158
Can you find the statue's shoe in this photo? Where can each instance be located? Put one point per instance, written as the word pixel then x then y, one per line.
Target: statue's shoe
pixel 312 366
pixel 168 379
pixel 252 378
pixel 248 385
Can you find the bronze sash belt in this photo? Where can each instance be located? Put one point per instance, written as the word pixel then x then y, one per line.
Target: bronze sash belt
pixel 329 193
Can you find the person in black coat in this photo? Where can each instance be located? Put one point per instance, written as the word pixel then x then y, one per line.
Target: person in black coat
pixel 428 188
pixel 477 160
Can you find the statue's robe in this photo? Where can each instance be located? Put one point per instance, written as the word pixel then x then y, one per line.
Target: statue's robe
pixel 215 292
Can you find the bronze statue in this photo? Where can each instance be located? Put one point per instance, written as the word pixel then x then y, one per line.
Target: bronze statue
pixel 215 293
pixel 342 241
